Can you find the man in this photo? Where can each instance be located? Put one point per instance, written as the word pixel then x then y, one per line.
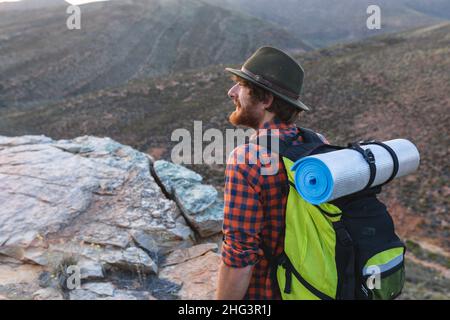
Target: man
pixel 266 96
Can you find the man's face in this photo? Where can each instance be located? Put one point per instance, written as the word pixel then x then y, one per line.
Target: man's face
pixel 248 113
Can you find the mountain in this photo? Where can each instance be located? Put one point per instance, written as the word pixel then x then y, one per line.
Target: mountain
pixel 119 41
pixel 386 87
pixel 325 22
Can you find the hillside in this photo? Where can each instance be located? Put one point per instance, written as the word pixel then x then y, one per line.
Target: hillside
pixel 384 88
pixel 119 41
pixel 324 22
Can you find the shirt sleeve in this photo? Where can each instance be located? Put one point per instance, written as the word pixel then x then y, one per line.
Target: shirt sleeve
pixel 243 214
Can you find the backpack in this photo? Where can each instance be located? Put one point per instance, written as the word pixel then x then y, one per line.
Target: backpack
pixel 344 249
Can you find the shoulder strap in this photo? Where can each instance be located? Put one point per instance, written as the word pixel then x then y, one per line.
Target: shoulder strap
pixel 312 143
pixel 393 155
pixel 309 136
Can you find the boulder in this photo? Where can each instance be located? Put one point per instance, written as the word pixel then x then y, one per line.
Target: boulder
pixel 197 275
pixel 171 174
pixel 96 204
pixel 198 202
pixel 83 191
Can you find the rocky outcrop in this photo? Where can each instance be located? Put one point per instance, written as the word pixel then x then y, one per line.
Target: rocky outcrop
pixel 93 203
pixel 198 202
pixel 200 263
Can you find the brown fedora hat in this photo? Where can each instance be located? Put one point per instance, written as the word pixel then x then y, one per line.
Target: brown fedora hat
pixel 275 71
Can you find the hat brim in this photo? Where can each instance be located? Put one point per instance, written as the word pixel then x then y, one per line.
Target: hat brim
pixel 295 102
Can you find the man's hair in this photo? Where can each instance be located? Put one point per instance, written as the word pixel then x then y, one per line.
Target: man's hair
pixel 286 112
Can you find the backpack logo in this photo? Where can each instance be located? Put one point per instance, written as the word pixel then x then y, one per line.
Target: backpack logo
pixel 374 280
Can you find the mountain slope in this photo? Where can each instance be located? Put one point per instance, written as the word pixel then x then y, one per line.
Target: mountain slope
pixel 324 22
pixel 385 88
pixel 120 41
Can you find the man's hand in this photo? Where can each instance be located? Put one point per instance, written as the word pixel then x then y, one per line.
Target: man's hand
pixel 233 282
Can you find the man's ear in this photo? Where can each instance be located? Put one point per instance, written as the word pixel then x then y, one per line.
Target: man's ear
pixel 268 99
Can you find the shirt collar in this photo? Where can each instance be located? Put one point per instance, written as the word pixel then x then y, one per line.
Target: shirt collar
pixel 283 129
pixel 276 123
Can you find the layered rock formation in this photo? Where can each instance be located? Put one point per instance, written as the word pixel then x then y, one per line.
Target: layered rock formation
pixel 94 204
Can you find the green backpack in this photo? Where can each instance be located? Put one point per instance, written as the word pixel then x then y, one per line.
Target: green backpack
pixel 344 249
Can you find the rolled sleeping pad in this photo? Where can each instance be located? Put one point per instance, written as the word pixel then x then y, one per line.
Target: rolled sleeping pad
pixel 324 177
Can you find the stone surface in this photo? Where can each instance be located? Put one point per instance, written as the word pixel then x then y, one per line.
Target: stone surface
pixel 91 190
pixel 201 207
pixel 48 294
pixel 94 203
pixel 183 255
pixel 86 294
pixel 81 294
pixel 197 276
pixel 133 259
pixel 10 274
pixel 100 288
pixel 19 281
pixel 90 270
pixel 194 198
pixel 198 202
pixel 171 174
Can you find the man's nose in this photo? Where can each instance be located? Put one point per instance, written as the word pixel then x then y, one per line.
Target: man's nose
pixel 232 93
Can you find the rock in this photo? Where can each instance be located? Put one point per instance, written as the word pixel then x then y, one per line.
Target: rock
pixel 107 291
pixel 19 281
pixel 130 295
pixel 150 159
pixel 48 294
pixel 201 207
pixel 90 270
pixel 132 259
pixel 162 242
pixel 88 189
pixel 99 288
pixel 100 233
pixel 210 221
pixel 171 174
pixel 24 140
pixel 46 280
pixel 11 274
pixel 163 289
pixel 216 238
pixel 198 202
pixel 80 294
pixel 194 198
pixel 180 256
pixel 197 276
pixel 93 203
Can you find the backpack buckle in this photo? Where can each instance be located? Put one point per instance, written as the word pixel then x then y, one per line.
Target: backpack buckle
pixel 344 237
pixel 342 234
pixel 369 156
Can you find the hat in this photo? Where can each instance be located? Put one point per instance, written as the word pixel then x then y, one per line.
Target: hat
pixel 275 71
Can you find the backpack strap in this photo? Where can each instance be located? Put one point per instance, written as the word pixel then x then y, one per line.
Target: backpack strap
pixel 393 155
pixel 309 135
pixel 370 159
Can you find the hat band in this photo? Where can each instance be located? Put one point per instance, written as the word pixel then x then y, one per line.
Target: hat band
pixel 267 83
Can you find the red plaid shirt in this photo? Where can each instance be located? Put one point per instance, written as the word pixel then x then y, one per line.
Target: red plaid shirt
pixel 255 206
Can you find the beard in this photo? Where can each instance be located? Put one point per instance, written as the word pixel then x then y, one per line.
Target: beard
pixel 244 117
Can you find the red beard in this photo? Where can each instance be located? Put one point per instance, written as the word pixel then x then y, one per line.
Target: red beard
pixel 244 117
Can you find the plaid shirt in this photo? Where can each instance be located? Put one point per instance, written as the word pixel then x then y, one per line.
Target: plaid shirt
pixel 254 212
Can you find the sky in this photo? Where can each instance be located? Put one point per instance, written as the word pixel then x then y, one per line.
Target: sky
pixel 74 2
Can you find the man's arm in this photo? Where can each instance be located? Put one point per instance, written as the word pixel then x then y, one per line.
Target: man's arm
pixel 233 282
pixel 242 225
